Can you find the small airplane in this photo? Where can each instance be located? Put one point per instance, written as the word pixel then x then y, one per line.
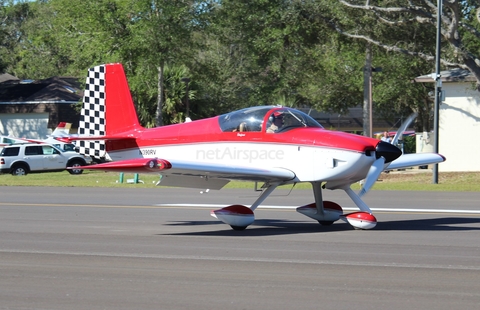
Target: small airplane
pixel 61 131
pixel 270 144
pixel 4 140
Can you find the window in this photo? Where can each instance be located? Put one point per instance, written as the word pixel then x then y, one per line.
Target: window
pixel 48 150
pixel 33 150
pixel 249 119
pixel 10 151
pixel 69 147
pixel 285 119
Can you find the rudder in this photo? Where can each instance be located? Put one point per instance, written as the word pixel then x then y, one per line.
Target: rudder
pixel 108 108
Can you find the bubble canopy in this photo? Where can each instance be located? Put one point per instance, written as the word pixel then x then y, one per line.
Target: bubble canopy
pixel 259 118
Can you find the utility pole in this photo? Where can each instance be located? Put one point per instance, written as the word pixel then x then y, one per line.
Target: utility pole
pixel 438 88
pixel 367 93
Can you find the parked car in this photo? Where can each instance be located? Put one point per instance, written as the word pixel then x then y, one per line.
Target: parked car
pixel 21 159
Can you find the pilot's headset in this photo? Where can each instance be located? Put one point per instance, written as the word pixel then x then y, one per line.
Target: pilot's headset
pixel 274 116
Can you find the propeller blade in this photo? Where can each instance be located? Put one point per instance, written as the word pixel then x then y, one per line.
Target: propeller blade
pixel 373 175
pixel 403 127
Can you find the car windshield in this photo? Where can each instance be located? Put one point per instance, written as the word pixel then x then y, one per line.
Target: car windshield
pixel 68 147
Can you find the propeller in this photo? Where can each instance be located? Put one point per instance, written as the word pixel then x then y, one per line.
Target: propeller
pixel 385 154
pixel 372 176
pixel 403 127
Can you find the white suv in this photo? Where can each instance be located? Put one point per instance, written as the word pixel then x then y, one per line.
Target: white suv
pixel 20 159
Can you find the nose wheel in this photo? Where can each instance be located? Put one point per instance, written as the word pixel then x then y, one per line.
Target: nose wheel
pixel 360 220
pixel 238 228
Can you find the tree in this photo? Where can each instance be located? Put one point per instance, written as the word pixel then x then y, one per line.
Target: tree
pixel 460 29
pixel 13 16
pixel 174 94
pixel 287 51
pixel 280 54
pixel 161 34
pixel 61 37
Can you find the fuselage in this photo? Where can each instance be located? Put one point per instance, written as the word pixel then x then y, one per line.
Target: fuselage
pixel 310 151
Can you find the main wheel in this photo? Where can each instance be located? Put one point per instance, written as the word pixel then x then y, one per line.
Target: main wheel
pixel 325 223
pixel 19 169
pixel 76 164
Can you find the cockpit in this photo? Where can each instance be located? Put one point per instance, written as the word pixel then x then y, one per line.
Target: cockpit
pixel 269 119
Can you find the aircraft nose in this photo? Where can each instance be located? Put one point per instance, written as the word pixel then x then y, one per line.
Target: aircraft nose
pixel 388 151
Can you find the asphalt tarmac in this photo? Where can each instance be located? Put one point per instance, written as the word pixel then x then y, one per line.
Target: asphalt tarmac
pixel 104 248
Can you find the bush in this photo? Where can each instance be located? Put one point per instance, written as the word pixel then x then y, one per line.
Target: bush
pixel 409 145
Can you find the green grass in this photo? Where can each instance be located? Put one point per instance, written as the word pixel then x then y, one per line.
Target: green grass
pixel 420 181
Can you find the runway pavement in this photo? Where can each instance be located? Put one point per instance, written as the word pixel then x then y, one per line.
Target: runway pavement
pixel 104 248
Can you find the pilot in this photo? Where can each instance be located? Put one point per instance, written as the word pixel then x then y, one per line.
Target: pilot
pixel 242 127
pixel 276 122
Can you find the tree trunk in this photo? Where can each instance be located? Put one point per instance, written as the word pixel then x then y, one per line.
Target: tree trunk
pixel 159 114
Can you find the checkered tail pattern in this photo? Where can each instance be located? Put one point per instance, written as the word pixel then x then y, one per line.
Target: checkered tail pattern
pixel 92 117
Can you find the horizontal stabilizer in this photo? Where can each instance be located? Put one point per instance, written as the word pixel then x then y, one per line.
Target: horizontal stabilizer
pixel 97 138
pixel 137 165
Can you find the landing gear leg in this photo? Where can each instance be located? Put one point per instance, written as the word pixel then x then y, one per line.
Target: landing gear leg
pixel 238 216
pixel 363 219
pixel 267 191
pixel 317 194
pixel 325 212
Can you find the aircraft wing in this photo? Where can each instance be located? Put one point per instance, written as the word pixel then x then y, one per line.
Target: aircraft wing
pixel 417 159
pixel 195 174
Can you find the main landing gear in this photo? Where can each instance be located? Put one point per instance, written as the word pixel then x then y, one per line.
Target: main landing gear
pixel 240 217
pixel 327 212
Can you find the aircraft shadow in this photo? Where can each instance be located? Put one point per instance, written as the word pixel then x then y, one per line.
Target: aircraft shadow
pixel 269 227
pixel 262 227
pixel 433 224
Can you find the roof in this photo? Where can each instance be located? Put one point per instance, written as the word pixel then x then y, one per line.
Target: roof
pixel 5 77
pixel 54 90
pixel 455 75
pixel 351 121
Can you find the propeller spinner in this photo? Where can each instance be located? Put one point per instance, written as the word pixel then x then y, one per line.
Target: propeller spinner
pixel 388 151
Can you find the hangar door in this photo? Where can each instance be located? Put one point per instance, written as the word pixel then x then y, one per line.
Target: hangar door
pixel 25 125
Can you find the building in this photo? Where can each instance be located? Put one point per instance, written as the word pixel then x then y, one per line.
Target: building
pixel 31 109
pixel 459 121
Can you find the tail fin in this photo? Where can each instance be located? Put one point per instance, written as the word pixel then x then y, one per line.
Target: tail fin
pixel 63 129
pixel 108 108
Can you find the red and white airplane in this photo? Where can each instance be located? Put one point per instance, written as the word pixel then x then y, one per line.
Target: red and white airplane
pixel 270 144
pixel 62 130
